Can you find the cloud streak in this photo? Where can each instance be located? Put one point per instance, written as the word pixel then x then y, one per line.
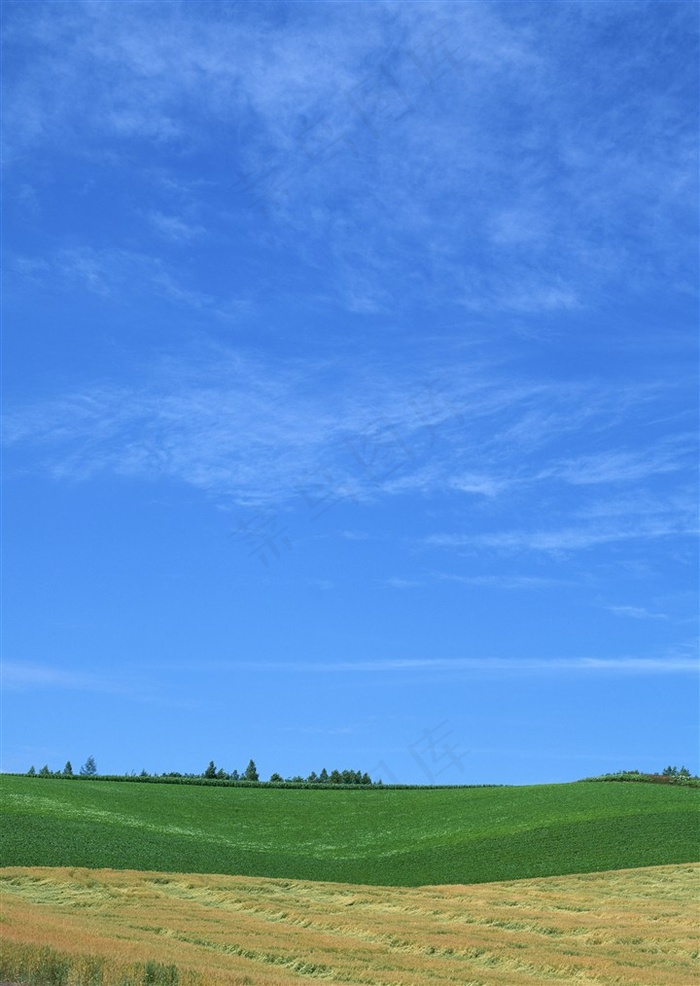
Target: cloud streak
pixel 21 676
pixel 500 666
pixel 637 613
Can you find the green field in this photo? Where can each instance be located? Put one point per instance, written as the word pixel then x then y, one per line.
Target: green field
pixel 385 837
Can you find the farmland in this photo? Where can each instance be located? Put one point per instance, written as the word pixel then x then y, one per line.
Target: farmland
pixel 627 927
pixel 381 837
pixel 113 883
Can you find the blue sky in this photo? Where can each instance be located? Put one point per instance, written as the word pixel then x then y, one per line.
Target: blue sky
pixel 350 388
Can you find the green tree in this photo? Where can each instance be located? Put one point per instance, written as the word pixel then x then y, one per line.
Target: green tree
pixel 45 772
pixel 31 772
pixel 221 774
pixel 276 778
pixel 323 776
pixel 89 768
pixel 210 772
pixel 251 772
pixel 68 769
pixel 235 776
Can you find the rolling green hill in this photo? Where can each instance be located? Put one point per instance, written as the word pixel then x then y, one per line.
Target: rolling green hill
pixel 387 837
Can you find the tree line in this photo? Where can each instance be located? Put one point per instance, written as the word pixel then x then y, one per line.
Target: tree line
pixel 213 773
pixel 89 769
pixel 324 777
pixel 669 775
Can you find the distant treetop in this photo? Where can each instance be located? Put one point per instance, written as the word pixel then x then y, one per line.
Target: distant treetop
pixel 89 768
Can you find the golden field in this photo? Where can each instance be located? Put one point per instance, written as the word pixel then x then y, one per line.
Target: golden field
pixel 637 927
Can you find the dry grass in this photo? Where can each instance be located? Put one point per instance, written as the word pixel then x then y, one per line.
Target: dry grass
pixel 636 927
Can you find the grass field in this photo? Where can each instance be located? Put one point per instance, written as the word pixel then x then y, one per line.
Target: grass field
pixel 390 837
pixel 636 927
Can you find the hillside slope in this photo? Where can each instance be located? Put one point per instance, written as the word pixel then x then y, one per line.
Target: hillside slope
pixel 391 837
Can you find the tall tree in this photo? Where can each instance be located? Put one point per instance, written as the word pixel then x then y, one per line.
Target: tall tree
pixel 211 770
pixel 68 769
pixel 89 768
pixel 251 772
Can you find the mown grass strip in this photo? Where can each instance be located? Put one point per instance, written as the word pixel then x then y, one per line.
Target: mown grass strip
pixel 626 927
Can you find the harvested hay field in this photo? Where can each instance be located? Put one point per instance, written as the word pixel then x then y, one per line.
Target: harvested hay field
pixel 632 927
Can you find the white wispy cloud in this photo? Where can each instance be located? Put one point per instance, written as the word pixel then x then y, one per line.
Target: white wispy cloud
pixel 29 677
pixel 637 613
pixel 398 583
pixel 537 666
pixel 120 275
pixel 23 676
pixel 355 535
pixel 257 430
pixel 481 484
pixel 534 582
pixel 574 538
pixel 261 432
pixel 626 465
pixel 399 110
pixel 505 582
pixel 175 228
